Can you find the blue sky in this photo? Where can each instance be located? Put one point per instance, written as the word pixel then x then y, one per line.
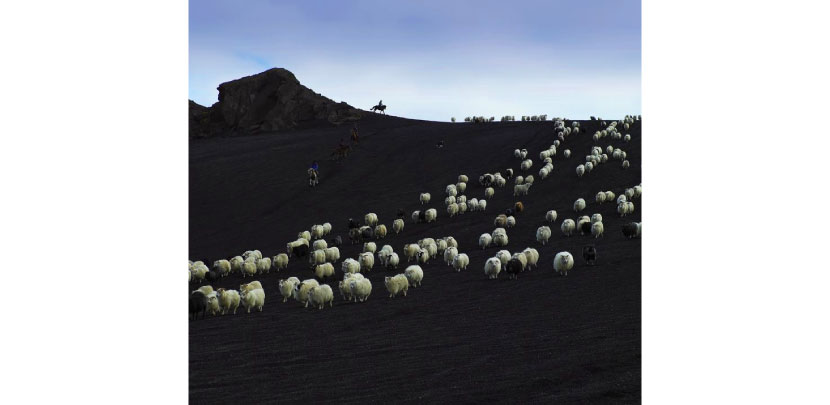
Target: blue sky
pixel 430 59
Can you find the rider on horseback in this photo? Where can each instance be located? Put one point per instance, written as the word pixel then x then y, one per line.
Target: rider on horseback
pixel 315 167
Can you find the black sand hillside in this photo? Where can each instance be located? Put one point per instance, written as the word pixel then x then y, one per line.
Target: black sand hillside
pixel 459 337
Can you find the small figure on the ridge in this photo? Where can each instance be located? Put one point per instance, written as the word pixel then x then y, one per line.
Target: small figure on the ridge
pixel 355 137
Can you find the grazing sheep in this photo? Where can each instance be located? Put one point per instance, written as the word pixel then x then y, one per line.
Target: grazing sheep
pixel 482 205
pixel 332 254
pixel 319 244
pixel 596 218
pixel 580 170
pixel 462 178
pixel 452 209
pixel 297 248
pixel 484 240
pixel 597 229
pixel 550 216
pixel 287 287
pixel 410 250
pixel 336 241
pixel 280 261
pixel 253 299
pixel 519 180
pixel 324 271
pixel 625 208
pixel 430 215
pixel 566 153
pixel 228 300
pixel 318 296
pixel 397 284
pixel 461 262
pixel 489 192
pixel 526 165
pixel 414 274
pixel 579 205
pixel 397 226
pixel 360 289
pixel 370 219
pixel 344 285
pixel 380 231
pixel 589 253
pixel 301 290
pixel 350 266
pixel 425 197
pixel 449 200
pixel 450 254
pixel 366 232
pixel 370 247
pixel 461 187
pixel 451 190
pixel 223 267
pixel 631 230
pixel 543 234
pixel 600 198
pixel 492 268
pixel 236 264
pixel 562 262
pixel 366 260
pixel 249 269
pixel 326 228
pixel 511 221
pixel 568 227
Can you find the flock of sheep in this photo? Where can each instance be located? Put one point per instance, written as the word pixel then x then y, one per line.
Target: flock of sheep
pixel 356 287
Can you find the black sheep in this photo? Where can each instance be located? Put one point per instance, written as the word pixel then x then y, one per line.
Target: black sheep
pixel 422 216
pixel 337 241
pixel 300 251
pixel 354 235
pixel 589 253
pixel 508 212
pixel 367 233
pixel 514 267
pixel 198 303
pixel 353 224
pixel 212 276
pixel 630 230
pixel 585 229
pixel 401 213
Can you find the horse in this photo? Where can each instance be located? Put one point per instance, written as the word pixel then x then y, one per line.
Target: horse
pixel 341 152
pixel 379 107
pixel 312 178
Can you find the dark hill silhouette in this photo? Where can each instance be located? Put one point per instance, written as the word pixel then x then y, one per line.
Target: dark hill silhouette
pixel 273 100
pixel 458 338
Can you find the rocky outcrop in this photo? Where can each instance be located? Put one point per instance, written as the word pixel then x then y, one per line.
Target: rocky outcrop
pixel 273 100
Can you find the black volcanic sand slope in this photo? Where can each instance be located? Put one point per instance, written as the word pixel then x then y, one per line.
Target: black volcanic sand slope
pixel 458 337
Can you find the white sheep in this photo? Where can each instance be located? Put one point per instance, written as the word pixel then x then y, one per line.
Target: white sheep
pixel 511 221
pixel 431 215
pixel 627 138
pixel 301 290
pixel 550 216
pixel 621 199
pixel 425 197
pixel 449 200
pixel 484 240
pixel 397 284
pixel 248 269
pixel 492 268
pixel 462 178
pixel 589 166
pixel 482 205
pixel 451 241
pixel 316 231
pixel 449 254
pixel 360 289
pixel 397 225
pixel 414 274
pixel 350 266
pixel 367 261
pixel 597 229
pixel 319 244
pixel 324 270
pixel 370 247
pixel 600 198
pixel 568 227
pixel 380 231
pixel 280 261
pixel 473 204
pixel 228 300
pixel 567 153
pixel 461 187
pixel 580 170
pixel 345 287
pixel 462 207
pixel 579 204
pixel 625 208
pixel 326 228
pixel 610 196
pixel 250 286
pixel 625 164
pixel 253 299
pixel 452 209
pixel 488 192
pixel 451 190
pixel 287 287
pixel 461 262
pixel 236 264
pixel 500 238
pixel 532 256
pixel 316 257
pixel 503 256
pixel 461 199
pixel 423 256
pixel 529 179
pixel 223 267
pixel 596 218
pixel 526 165
pixel 521 189
pixel 562 262
pixel 332 254
pixel 500 181
pixel 370 219
pixel 320 295
pixel 302 235
pixel 410 251
pixel 638 191
pixel 543 234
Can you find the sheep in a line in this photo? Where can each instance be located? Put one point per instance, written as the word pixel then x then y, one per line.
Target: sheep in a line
pixel 521 189
pixel 332 254
pixel 301 290
pixel 316 257
pixel 532 256
pixel 370 247
pixel 450 254
pixel 430 215
pixel 597 229
pixel 344 285
pixel 223 267
pixel 550 216
pixel 350 266
pixel 526 165
pixel 583 225
pixel 250 286
pixel 449 200
pixel 500 237
pixel 253 299
pixel 287 287
pixel 324 271
pixel 489 192
pixel 397 225
pixel 568 227
pixel 380 231
pixel 370 219
pixel 462 178
pixel 236 264
pixel 452 210
pixel 319 244
pixel 451 190
pixel 580 170
pixel 360 289
pixel 425 197
pixel 563 262
pixel 249 269
pixel 367 261
pixel 625 208
pixel 511 221
pixel 228 300
pixel 461 187
pixel 579 204
pixel 484 240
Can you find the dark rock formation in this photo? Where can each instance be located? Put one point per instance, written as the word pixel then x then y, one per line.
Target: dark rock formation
pixel 273 100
